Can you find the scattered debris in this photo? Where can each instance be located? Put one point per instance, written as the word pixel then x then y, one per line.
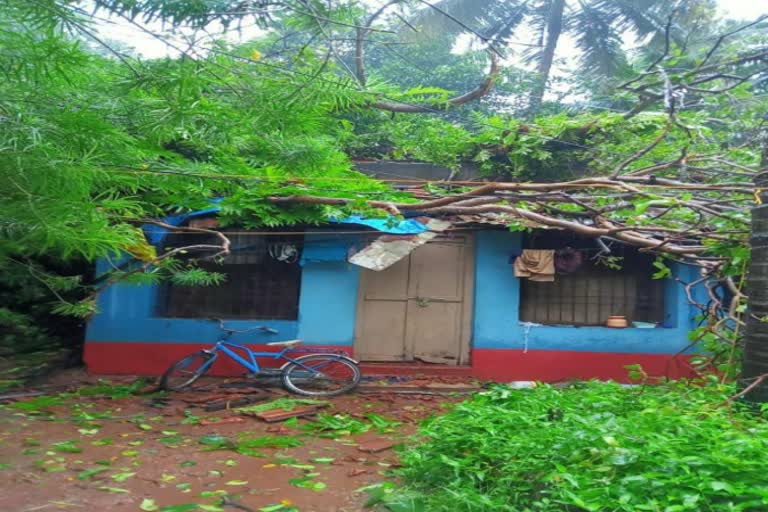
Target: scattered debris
pixel 223 421
pixel 335 425
pixel 285 403
pixel 341 448
pixel 283 408
pixel 148 389
pixel 377 446
pixel 19 396
pixel 418 387
pixel 274 415
pixel 278 429
pixel 232 403
pixel 223 398
pixel 226 501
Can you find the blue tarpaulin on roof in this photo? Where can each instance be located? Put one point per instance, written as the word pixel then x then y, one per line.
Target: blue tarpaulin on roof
pixel 156 234
pixel 391 225
pixel 387 224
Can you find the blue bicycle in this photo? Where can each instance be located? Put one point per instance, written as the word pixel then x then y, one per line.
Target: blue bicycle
pixel 312 374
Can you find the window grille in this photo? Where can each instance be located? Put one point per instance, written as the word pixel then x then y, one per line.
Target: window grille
pixel 257 286
pixel 594 292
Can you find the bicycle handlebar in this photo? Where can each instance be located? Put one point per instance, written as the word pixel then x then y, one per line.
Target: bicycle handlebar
pixel 263 328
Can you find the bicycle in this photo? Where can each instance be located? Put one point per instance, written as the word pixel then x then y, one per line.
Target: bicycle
pixel 298 374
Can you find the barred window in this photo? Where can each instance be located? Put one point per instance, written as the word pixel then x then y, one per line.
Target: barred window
pixel 593 292
pixel 263 280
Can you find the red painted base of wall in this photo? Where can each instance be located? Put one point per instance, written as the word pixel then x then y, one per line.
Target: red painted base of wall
pixel 155 358
pixel 560 365
pixel 487 364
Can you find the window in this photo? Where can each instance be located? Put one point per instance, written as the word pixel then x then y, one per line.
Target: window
pixel 258 285
pixel 594 292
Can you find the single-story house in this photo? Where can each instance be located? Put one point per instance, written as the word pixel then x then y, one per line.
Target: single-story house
pixel 415 295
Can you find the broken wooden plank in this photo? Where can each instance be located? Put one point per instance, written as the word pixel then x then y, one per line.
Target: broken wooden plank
pixel 275 415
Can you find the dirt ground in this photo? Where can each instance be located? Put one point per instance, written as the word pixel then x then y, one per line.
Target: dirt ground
pixel 95 453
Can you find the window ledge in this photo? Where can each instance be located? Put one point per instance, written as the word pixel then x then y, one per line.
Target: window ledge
pixel 569 326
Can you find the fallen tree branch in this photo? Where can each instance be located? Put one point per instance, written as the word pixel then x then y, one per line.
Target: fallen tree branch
pixel 755 382
pixel 481 90
pixel 218 251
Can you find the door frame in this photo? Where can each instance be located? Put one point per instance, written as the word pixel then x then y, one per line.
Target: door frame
pixel 467 311
pixel 465 343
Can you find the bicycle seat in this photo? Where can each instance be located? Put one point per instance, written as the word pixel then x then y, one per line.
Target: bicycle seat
pixel 289 343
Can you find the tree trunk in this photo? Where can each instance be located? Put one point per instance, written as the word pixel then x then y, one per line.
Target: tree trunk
pixel 554 29
pixel 755 362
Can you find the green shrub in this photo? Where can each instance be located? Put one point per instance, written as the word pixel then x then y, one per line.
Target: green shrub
pixel 594 447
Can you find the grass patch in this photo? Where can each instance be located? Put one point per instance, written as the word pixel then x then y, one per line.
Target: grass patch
pixel 593 447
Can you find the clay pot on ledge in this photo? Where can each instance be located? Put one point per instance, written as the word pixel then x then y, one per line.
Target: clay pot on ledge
pixel 617 322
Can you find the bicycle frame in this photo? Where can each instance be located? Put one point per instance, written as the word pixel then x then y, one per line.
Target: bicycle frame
pixel 251 363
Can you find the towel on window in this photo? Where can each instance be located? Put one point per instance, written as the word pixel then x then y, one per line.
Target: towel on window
pixel 536 265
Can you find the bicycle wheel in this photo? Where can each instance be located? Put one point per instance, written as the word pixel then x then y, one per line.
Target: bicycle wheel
pixel 321 375
pixel 185 371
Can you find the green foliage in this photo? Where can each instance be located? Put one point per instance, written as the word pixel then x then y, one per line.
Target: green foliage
pixel 553 148
pixel 106 388
pixel 26 324
pixel 95 146
pixel 429 139
pixel 612 262
pixel 82 309
pixel 662 270
pixel 285 403
pixel 197 277
pixel 103 388
pixel 92 146
pixel 246 444
pixel 69 446
pixel 37 404
pixel 594 446
pixel 427 71
pixel 333 425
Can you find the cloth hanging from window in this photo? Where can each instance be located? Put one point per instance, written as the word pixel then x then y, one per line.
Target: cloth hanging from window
pixel 536 265
pixel 568 260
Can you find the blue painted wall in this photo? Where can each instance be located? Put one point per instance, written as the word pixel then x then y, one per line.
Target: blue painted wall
pixel 328 299
pixel 326 308
pixel 328 302
pixel 497 299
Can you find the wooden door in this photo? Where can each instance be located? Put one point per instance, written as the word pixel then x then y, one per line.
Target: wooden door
pixel 420 308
